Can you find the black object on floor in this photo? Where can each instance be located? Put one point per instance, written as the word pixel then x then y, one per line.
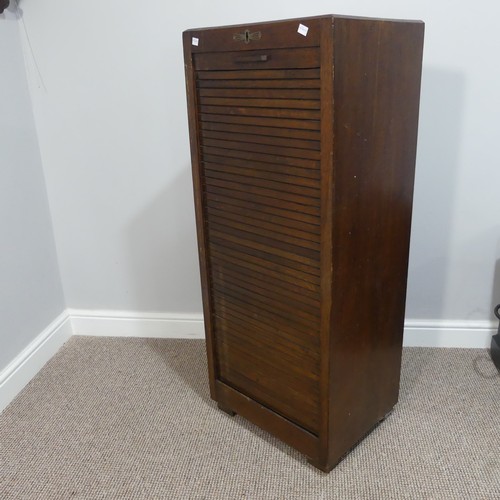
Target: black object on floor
pixel 3 5
pixel 495 342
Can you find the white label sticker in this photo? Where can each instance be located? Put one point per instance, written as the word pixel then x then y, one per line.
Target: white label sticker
pixel 302 30
pixel 195 41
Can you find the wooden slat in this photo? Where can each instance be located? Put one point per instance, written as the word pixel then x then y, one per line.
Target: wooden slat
pixel 261 157
pixel 281 292
pixel 248 294
pixel 266 243
pixel 268 399
pixel 275 325
pixel 231 135
pixel 266 219
pixel 262 121
pixel 230 272
pixel 297 372
pixel 296 114
pixel 297 375
pixel 254 93
pixel 262 332
pixel 293 396
pixel 284 345
pixel 261 208
pixel 252 337
pixel 297 398
pixel 250 251
pixel 260 103
pixel 272 372
pixel 248 240
pixel 230 259
pixel 259 312
pixel 278 168
pixel 273 74
pixel 298 84
pixel 309 205
pixel 278 184
pixel 287 150
pixel 304 326
pixel 251 341
pixel 305 203
pixel 274 269
pixel 280 238
pixel 234 214
pixel 269 324
pixel 294 334
pixel 257 333
pixel 262 175
pixel 266 132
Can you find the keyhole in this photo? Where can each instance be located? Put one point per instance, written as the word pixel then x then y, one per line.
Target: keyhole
pixel 247 36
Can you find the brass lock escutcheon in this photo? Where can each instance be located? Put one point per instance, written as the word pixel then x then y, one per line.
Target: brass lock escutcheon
pixel 247 36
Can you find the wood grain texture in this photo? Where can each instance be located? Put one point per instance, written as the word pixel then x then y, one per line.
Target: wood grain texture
pixel 259 354
pixel 327 230
pixel 274 35
pixel 260 59
pixel 303 161
pixel 376 93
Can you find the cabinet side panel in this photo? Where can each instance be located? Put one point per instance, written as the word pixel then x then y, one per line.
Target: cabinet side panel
pixel 377 87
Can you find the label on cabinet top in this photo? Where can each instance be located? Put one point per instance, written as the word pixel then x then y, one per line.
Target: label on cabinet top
pixel 283 34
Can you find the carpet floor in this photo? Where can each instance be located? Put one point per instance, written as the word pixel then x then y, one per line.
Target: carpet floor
pixel 132 419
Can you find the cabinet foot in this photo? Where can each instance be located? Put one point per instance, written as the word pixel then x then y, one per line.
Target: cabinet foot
pixel 323 467
pixel 227 410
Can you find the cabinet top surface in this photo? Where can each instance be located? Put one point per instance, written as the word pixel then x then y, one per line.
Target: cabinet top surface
pixel 325 17
pixel 287 33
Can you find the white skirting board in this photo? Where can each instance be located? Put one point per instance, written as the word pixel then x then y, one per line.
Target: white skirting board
pixel 31 359
pixel 446 333
pixel 418 333
pixel 136 324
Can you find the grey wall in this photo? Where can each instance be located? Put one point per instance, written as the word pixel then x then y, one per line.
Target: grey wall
pixel 30 286
pixel 112 127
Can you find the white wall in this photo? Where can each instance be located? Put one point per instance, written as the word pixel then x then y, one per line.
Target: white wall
pixel 111 119
pixel 30 286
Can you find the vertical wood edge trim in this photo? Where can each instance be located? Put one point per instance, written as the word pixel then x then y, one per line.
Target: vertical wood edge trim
pixel 420 28
pixel 194 140
pixel 266 419
pixel 327 185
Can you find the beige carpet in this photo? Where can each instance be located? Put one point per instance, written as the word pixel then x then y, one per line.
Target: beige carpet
pixel 131 418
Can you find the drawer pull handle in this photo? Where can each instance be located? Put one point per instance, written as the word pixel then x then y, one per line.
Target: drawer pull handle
pixel 251 59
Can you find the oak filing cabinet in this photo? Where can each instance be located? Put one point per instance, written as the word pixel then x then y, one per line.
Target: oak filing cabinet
pixel 303 138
